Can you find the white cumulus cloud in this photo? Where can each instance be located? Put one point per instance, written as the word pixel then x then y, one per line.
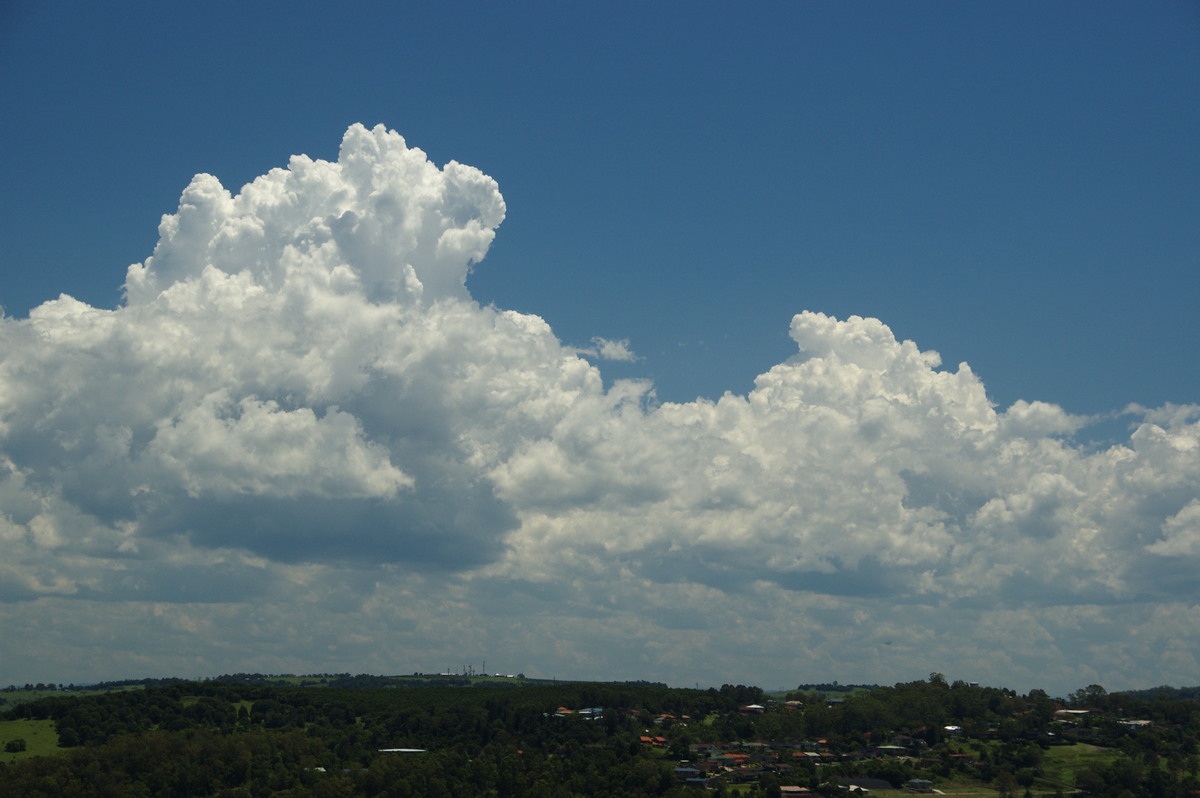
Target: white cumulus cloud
pixel 300 411
pixel 607 349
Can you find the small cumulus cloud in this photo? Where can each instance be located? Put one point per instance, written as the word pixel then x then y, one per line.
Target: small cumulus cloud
pixel 613 350
pixel 607 349
pixel 299 410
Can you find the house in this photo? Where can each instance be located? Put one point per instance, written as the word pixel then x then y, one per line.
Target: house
pixel 890 750
pixel 710 750
pixel 1071 714
pixel 864 783
pixel 919 785
pixel 702 782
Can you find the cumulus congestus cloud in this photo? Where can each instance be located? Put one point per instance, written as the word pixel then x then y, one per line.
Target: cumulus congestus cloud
pixel 297 370
pixel 299 407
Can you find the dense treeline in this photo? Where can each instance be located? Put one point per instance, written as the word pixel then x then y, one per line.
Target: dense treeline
pixel 216 738
pixel 245 740
pixel 115 685
pixel 1164 691
pixel 835 687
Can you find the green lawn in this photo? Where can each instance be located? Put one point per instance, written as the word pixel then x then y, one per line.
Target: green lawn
pixel 1063 762
pixel 12 698
pixel 39 735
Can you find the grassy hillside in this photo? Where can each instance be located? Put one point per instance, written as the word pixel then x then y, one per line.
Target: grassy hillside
pixel 39 735
pixel 1063 763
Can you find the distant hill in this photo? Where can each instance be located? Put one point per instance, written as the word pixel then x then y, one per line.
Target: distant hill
pixel 1155 693
pixel 323 735
pixel 14 695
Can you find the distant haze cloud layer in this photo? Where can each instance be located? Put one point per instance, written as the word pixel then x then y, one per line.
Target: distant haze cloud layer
pixel 301 445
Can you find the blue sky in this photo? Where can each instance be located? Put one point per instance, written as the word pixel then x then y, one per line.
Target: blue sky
pixel 1013 185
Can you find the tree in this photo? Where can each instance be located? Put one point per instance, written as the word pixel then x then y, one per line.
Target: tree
pixel 1089 782
pixel 1091 696
pixel 1006 784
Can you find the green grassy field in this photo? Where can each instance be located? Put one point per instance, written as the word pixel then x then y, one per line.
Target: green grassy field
pixel 1063 762
pixel 12 698
pixel 39 736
